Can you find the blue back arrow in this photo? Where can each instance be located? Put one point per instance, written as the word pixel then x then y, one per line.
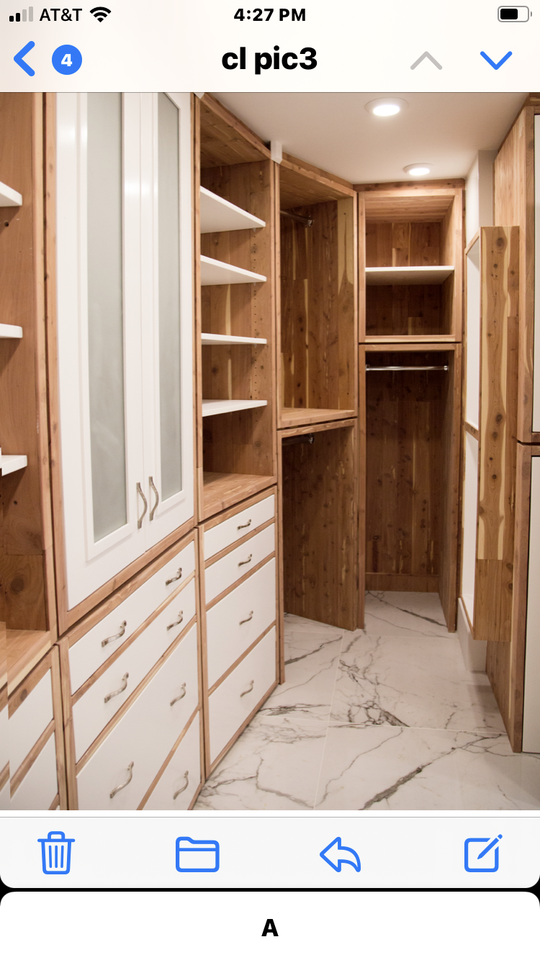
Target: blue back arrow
pixel 18 58
pixel 351 857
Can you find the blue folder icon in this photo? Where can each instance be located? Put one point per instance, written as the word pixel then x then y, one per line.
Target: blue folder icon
pixel 196 856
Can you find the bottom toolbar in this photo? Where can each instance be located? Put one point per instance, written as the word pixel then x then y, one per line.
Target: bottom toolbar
pixel 59 851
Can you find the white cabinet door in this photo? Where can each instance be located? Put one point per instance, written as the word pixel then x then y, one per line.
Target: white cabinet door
pixel 124 328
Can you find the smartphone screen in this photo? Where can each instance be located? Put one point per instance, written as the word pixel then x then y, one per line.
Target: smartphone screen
pixel 270 478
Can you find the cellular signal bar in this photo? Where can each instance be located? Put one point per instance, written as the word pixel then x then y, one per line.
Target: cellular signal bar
pixel 23 17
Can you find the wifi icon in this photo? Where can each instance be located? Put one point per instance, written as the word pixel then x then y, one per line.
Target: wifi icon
pixel 100 13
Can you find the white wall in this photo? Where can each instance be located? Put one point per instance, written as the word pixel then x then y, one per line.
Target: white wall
pixel 479 194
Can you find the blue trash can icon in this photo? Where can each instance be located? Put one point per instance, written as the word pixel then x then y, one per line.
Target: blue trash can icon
pixel 56 852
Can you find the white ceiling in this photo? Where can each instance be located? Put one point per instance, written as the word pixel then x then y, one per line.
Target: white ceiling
pixel 335 132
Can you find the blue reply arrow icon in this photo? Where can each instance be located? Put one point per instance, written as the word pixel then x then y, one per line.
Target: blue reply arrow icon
pixel 19 58
pixel 335 855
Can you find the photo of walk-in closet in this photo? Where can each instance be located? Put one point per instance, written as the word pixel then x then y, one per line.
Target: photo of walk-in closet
pixel 270 452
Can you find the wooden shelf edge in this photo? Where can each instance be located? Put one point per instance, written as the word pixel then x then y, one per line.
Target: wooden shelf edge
pixel 224 490
pixel 293 417
pixel 25 650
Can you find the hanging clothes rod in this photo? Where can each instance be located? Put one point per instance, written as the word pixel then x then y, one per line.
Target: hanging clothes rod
pixel 307 221
pixel 368 367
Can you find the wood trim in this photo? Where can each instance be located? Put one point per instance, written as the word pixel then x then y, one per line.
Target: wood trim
pixel 422 339
pixel 4 777
pixel 166 762
pixel 113 601
pixel 242 727
pixel 241 129
pixel 312 172
pixel 362 484
pixel 69 737
pixel 24 689
pixel 238 508
pixel 58 711
pixel 19 775
pixel 205 731
pixel 312 415
pixel 402 187
pixel 469 428
pixel 361 261
pixel 239 659
pixel 238 543
pixel 106 730
pixel 400 346
pixel 26 648
pixel 240 581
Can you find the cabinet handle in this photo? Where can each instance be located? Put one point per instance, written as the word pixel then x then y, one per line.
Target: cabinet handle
pixel 154 488
pixel 125 783
pixel 244 525
pixel 181 695
pixel 117 636
pixel 172 579
pixel 243 562
pixel 249 689
pixel 120 690
pixel 247 619
pixel 145 501
pixel 186 785
pixel 177 622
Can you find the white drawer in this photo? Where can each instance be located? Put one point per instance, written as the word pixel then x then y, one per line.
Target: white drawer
pixel 240 693
pixel 40 785
pixel 143 737
pixel 233 529
pixel 91 713
pixel 234 623
pixel 29 721
pixel 222 574
pixel 180 780
pixel 88 654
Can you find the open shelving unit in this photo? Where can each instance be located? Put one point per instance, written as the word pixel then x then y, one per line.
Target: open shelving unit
pixel 235 310
pixel 10 463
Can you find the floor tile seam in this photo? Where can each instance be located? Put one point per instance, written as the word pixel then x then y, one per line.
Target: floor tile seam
pixel 489 734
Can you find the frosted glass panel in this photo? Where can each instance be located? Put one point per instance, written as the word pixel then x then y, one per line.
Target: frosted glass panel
pixel 169 296
pixel 105 312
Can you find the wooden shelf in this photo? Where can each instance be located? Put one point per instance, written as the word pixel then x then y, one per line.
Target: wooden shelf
pixel 386 276
pixel 10 332
pixel 212 408
pixel 9 197
pixel 25 649
pixel 294 417
pixel 219 215
pixel 9 464
pixel 217 339
pixel 224 490
pixel 214 273
pixel 400 343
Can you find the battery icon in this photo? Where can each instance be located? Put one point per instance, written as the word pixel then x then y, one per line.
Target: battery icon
pixel 513 14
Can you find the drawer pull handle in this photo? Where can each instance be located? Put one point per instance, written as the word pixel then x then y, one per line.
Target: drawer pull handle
pixel 181 695
pixel 120 690
pixel 243 562
pixel 247 619
pixel 249 689
pixel 244 525
pixel 172 579
pixel 156 494
pixel 117 636
pixel 177 622
pixel 125 783
pixel 145 501
pixel 186 785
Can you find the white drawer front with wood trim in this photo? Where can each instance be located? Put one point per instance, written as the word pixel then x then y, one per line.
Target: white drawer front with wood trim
pixel 88 653
pixel 234 623
pixel 105 697
pixel 181 778
pixel 29 720
pixel 234 565
pixel 229 531
pixel 130 757
pixel 232 702
pixel 40 785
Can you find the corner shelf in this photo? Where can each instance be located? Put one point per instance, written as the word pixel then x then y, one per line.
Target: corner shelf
pixel 214 273
pixel 9 197
pixel 218 215
pixel 9 464
pixel 217 339
pixel 211 408
pixel 386 276
pixel 9 331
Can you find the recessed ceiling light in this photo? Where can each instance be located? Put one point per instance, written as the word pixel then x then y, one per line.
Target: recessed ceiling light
pixel 418 169
pixel 386 106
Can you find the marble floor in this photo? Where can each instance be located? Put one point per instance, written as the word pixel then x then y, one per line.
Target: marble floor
pixel 384 718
